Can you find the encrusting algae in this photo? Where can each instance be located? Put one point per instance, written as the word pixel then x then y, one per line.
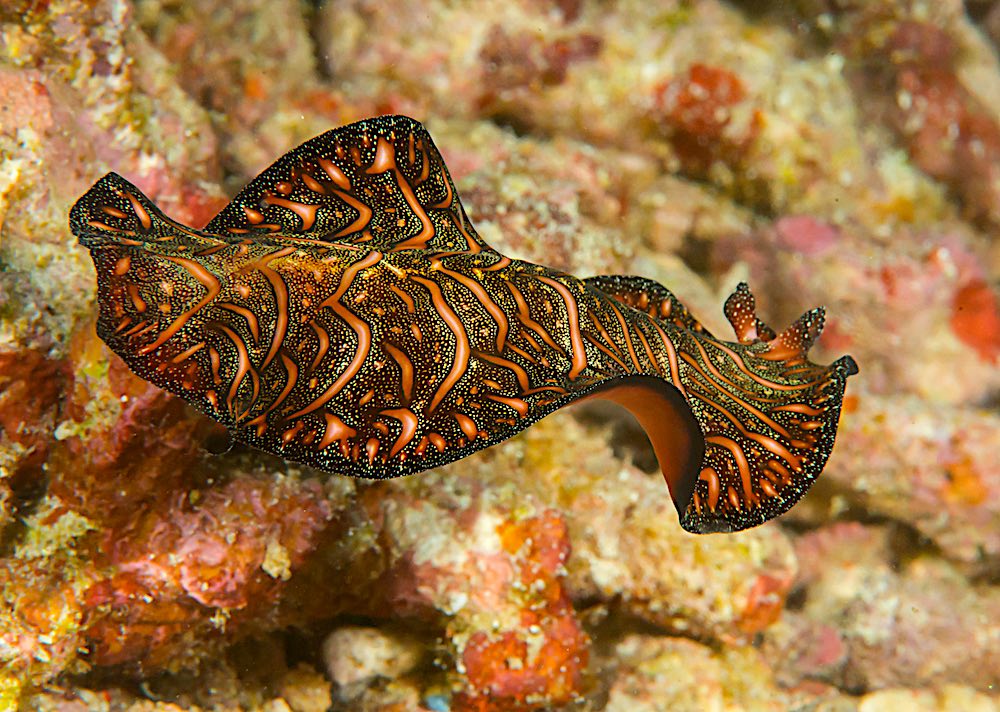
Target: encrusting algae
pixel 825 155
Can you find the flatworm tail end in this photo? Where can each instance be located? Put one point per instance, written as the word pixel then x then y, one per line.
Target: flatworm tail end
pixel 768 415
pixel 151 286
pixel 115 212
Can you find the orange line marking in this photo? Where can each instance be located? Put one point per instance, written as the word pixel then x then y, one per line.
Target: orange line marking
pixel 579 352
pixel 462 348
pixel 361 330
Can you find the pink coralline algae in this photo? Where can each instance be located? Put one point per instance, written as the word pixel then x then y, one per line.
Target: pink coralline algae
pixel 806 235
pixel 831 153
pixel 144 437
pixel 183 562
pixel 506 669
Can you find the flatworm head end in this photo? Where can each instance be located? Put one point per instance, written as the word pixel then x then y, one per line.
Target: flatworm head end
pixel 769 419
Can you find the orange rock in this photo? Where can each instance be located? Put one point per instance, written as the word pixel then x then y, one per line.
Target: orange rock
pixel 543 658
pixel 965 485
pixel 764 603
pixel 976 319
pixel 696 112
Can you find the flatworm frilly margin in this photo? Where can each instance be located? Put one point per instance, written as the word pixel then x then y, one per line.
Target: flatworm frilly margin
pixel 342 312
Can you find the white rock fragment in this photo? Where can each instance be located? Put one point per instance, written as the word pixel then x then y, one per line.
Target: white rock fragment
pixel 277 564
pixel 355 655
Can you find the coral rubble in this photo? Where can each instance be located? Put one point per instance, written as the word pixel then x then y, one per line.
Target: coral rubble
pixel 831 152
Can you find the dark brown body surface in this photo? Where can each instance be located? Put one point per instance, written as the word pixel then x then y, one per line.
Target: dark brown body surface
pixel 342 312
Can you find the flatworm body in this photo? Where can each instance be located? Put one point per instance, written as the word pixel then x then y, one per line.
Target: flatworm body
pixel 342 312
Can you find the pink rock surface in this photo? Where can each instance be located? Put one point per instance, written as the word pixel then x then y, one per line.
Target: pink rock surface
pixel 918 624
pixel 853 166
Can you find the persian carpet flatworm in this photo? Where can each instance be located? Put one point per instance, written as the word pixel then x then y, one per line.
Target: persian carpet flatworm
pixel 343 312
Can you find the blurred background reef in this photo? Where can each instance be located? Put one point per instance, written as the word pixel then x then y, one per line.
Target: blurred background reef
pixel 836 152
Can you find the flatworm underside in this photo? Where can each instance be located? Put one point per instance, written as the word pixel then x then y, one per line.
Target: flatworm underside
pixel 343 312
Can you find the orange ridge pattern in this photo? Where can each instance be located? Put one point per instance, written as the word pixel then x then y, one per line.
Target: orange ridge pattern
pixel 342 312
